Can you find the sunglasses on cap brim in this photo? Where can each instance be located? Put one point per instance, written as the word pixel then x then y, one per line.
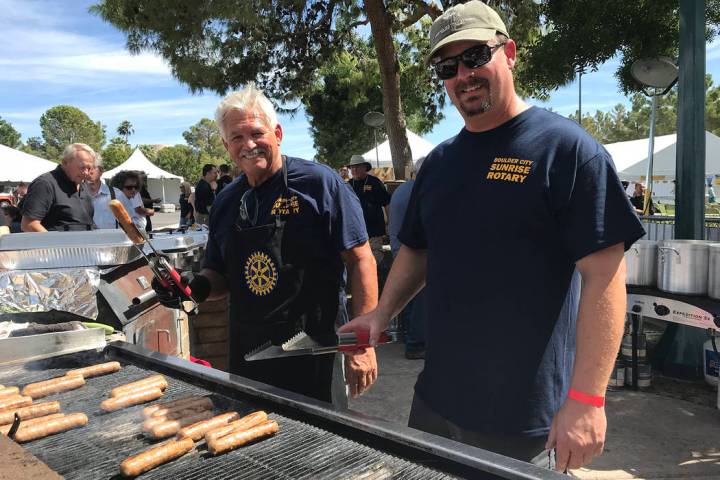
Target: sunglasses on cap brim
pixel 474 57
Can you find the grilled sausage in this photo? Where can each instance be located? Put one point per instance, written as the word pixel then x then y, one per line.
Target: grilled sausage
pixel 14 402
pixel 135 398
pixel 238 439
pixel 153 457
pixel 8 391
pixel 172 427
pixel 95 370
pixel 160 409
pixel 26 413
pixel 197 430
pixel 50 427
pixel 193 409
pixel 149 382
pixel 244 423
pixel 126 223
pixel 54 385
pixel 34 421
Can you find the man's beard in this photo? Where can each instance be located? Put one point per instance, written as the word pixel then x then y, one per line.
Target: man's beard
pixel 465 105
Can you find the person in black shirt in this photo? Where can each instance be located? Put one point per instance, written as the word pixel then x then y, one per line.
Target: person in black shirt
pixel 60 199
pixel 204 194
pixel 374 197
pixel 148 201
pixel 638 200
pixel 186 209
pixel 225 177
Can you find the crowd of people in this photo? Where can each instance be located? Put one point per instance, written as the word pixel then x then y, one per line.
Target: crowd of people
pixel 491 238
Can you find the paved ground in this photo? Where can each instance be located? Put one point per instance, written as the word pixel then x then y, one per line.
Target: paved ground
pixel 650 436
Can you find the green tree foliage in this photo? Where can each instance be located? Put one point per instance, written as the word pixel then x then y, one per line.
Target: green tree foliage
pixel 35 146
pixel 347 87
pixel 205 140
pixel 587 33
pixel 150 151
pixel 8 135
pixel 180 160
pixel 621 124
pixel 64 124
pixel 125 129
pixel 115 153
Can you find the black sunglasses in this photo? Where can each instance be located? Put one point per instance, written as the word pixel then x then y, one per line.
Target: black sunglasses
pixel 473 57
pixel 130 187
pixel 249 207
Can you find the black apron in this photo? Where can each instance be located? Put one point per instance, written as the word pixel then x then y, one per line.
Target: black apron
pixel 278 286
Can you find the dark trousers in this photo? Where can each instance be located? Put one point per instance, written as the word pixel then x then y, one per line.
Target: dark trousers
pixel 527 449
pixel 413 318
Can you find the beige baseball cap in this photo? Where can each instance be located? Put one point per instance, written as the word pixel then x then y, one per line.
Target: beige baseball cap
pixel 473 20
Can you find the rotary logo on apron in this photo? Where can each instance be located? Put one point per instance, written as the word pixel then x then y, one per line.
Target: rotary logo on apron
pixel 260 274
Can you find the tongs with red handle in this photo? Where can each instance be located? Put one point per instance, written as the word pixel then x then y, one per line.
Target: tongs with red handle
pixel 304 344
pixel 165 273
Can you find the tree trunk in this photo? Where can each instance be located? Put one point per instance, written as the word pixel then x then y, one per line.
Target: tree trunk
pixel 381 27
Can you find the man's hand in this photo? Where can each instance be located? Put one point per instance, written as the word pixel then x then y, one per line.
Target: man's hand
pixel 577 434
pixel 373 322
pixel 360 371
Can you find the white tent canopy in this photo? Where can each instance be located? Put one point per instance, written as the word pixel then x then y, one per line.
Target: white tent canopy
pixel 17 166
pixel 161 184
pixel 419 147
pixel 627 154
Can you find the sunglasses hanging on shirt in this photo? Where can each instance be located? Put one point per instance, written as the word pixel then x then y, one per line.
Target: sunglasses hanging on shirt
pixel 473 57
pixel 249 207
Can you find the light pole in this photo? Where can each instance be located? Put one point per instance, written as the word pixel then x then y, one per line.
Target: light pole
pixel 374 120
pixel 660 75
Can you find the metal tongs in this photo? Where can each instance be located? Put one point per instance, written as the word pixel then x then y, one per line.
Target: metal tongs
pixel 166 274
pixel 304 344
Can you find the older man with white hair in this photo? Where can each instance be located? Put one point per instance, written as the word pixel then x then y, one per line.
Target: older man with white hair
pixel 60 199
pixel 281 237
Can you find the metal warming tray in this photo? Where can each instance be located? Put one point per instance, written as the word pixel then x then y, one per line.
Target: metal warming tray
pixel 315 441
pixel 32 251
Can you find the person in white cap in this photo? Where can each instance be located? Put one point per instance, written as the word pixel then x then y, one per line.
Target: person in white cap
pixel 505 221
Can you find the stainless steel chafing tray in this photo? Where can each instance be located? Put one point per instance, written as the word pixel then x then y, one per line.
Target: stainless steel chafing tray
pixel 30 251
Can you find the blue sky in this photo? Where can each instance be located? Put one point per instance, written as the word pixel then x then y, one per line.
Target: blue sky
pixel 55 52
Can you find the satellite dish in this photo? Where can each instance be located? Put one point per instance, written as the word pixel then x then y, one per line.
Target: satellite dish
pixel 374 119
pixel 658 72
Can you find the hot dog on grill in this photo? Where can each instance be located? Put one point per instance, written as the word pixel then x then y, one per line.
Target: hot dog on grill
pixel 153 381
pixel 50 427
pixel 14 402
pixel 8 391
pixel 197 430
pixel 54 385
pixel 34 421
pixel 192 409
pixel 238 439
pixel 26 413
pixel 244 423
pixel 126 223
pixel 172 427
pixel 135 398
pixel 95 370
pixel 153 457
pixel 164 408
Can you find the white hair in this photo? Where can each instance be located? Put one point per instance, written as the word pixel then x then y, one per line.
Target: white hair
pixel 72 149
pixel 246 100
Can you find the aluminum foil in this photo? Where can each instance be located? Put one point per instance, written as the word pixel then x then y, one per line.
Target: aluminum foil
pixel 67 290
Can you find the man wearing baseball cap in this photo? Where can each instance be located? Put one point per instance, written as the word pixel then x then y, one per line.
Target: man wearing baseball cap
pixel 505 222
pixel 374 197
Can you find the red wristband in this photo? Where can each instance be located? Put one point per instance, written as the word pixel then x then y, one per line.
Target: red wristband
pixel 585 398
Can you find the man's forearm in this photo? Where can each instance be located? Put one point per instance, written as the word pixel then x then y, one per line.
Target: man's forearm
pixel 405 280
pixel 218 284
pixel 362 275
pixel 600 323
pixel 30 225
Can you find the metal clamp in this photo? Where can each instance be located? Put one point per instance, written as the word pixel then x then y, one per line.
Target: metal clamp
pixel 662 256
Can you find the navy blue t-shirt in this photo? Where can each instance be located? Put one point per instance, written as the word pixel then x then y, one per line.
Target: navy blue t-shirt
pixel 504 215
pixel 373 196
pixel 317 198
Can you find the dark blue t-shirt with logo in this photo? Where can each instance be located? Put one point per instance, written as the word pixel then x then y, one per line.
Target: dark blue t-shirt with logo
pixel 504 215
pixel 321 207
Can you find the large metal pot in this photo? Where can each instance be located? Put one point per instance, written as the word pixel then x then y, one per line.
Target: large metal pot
pixel 714 271
pixel 641 263
pixel 683 266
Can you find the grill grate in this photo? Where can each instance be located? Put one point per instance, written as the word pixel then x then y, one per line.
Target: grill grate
pixel 298 450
